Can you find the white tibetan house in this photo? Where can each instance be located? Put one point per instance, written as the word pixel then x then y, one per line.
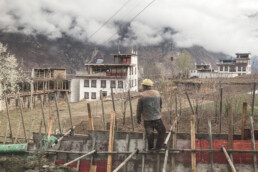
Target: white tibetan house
pixel 121 75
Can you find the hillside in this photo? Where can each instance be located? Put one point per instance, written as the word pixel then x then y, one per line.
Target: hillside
pixel 38 51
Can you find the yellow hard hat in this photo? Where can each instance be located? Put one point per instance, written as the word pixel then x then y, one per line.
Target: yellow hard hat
pixel 147 82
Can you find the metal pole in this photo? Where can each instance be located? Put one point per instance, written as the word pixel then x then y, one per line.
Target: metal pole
pixel 189 102
pixel 220 109
pixel 143 156
pixel 170 132
pixel 131 108
pixel 253 141
pixel 58 116
pixel 254 88
pixel 171 151
pixel 103 112
pixel 8 115
pixel 21 112
pixel 230 129
pixel 165 159
pixel 114 107
pixel 67 133
pixel 228 159
pixel 90 153
pixel 69 109
pixel 43 114
pixel 244 113
pixel 126 160
pixel 211 146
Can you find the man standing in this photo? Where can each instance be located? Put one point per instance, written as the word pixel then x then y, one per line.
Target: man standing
pixel 148 109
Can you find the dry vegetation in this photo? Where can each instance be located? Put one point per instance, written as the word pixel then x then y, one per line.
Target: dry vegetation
pixel 204 96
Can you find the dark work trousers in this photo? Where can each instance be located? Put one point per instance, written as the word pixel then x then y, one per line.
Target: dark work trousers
pixel 149 128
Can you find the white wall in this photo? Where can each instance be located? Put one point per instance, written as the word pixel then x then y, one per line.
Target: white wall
pixel 107 89
pixel 213 75
pixel 78 89
pixel 75 90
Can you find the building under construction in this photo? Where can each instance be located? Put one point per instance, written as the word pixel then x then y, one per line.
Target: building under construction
pixel 223 141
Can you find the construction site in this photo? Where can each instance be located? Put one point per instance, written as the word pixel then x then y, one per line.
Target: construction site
pixel 210 125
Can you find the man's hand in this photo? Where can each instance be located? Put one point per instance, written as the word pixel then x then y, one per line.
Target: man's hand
pixel 139 121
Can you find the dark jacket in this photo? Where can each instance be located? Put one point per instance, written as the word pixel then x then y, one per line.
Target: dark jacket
pixel 149 105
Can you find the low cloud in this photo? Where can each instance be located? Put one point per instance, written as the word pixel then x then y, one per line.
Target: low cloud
pixel 227 26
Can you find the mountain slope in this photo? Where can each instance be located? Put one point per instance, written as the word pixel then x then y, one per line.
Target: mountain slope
pixel 72 54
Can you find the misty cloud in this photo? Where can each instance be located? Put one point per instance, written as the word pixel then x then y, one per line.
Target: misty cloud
pixel 227 26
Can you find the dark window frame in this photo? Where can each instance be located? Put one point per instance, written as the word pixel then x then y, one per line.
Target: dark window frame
pixel 95 84
pixel 86 83
pixel 103 83
pixel 112 84
pixel 86 95
pixel 93 95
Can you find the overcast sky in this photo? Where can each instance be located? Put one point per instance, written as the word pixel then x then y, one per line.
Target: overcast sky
pixel 227 26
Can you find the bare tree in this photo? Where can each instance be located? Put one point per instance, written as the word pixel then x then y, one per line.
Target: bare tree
pixel 185 63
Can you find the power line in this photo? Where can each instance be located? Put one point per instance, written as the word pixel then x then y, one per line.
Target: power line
pixel 109 19
pixel 131 19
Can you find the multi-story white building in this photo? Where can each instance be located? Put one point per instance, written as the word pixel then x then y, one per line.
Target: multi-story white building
pixel 227 68
pixel 121 75
pixel 241 65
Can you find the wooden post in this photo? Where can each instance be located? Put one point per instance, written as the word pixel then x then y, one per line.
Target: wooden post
pixel 63 127
pixel 189 101
pixel 193 154
pixel 220 109
pixel 253 100
pixel 253 142
pixel 21 113
pixel 50 124
pixel 58 115
pixel 230 129
pixel 93 168
pixel 170 108
pixel 103 112
pixel 91 123
pixel 43 114
pixel 126 160
pixel 39 139
pixel 211 147
pixel 17 132
pixel 111 141
pixel 114 107
pixel 228 159
pixel 8 116
pixel 144 148
pixel 174 141
pixel 6 131
pixel 30 131
pixel 158 163
pixel 76 159
pixel 69 109
pixel 31 94
pixel 176 104
pixel 164 169
pixel 127 149
pixel 244 113
pixel 131 108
